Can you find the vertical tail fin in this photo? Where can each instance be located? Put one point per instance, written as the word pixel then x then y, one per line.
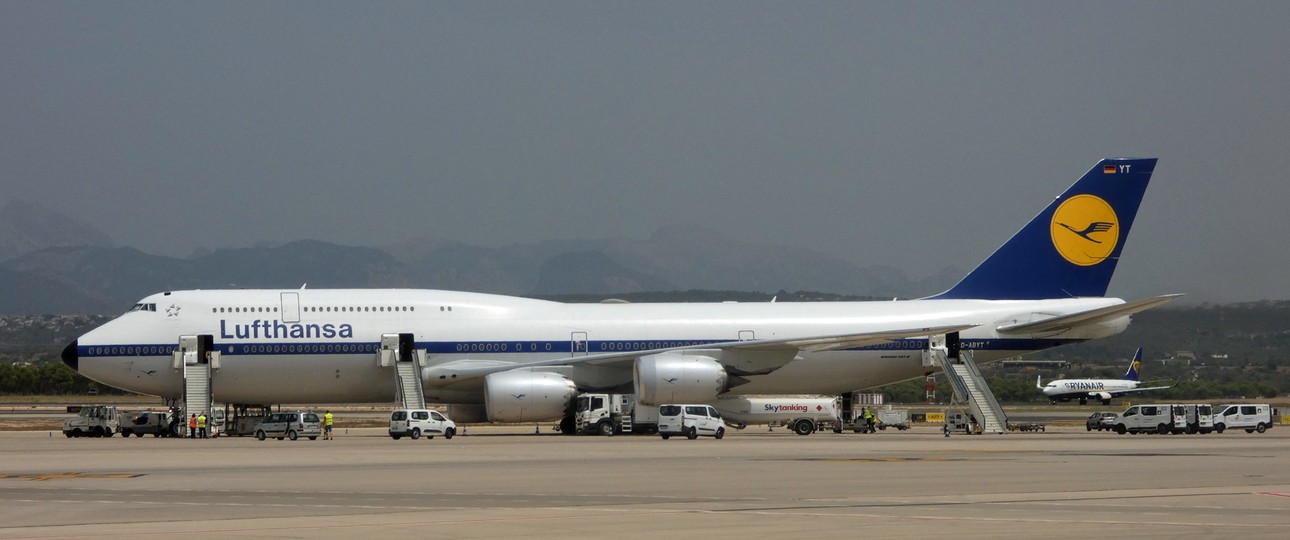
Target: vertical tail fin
pixel 1135 367
pixel 1071 248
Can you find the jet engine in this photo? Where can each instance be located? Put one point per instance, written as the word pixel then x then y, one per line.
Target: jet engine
pixel 675 378
pixel 527 396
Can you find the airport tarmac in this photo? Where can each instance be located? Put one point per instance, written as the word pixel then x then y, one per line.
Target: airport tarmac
pixel 506 482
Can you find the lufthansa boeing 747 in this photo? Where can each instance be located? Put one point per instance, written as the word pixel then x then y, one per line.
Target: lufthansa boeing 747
pixel 510 359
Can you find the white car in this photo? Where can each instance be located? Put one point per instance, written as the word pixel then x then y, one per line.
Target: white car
pixel 690 420
pixel 417 422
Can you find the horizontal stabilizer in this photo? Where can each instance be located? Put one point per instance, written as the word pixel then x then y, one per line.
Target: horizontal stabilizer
pixel 1092 316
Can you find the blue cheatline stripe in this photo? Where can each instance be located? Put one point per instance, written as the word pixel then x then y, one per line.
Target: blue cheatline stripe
pixel 523 347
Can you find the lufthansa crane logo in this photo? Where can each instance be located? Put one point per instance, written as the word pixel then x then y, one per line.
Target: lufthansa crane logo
pixel 1085 230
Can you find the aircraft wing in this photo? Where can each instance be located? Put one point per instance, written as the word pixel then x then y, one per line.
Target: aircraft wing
pixel 776 351
pixel 1092 316
pixel 1122 392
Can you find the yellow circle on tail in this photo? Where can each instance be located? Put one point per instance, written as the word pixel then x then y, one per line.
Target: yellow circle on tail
pixel 1085 230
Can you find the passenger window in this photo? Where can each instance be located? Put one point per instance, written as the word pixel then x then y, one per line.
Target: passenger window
pixel 1247 410
pixel 420 415
pixel 398 415
pixel 697 411
pixel 669 410
pixel 437 416
pixel 311 417
pixel 713 413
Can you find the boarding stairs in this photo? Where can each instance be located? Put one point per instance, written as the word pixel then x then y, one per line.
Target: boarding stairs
pixel 197 389
pixel 408 374
pixel 970 387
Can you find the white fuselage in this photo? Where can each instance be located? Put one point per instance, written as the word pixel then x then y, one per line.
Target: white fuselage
pixel 1067 389
pixel 311 346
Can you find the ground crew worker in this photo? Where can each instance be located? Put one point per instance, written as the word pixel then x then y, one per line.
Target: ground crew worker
pixel 327 436
pixel 869 420
pixel 201 424
pixel 192 427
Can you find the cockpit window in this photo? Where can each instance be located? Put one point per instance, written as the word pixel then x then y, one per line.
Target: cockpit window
pixel 144 307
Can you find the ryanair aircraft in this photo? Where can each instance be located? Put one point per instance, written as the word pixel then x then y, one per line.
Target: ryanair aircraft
pixel 509 359
pixel 1102 389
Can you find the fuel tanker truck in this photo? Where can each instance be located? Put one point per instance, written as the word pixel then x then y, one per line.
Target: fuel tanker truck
pixel 803 414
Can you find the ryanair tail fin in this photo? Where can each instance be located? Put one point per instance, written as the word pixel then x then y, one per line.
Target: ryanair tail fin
pixel 1135 367
pixel 1071 248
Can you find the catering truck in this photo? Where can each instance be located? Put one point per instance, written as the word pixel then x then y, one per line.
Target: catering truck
pixel 610 414
pixel 803 414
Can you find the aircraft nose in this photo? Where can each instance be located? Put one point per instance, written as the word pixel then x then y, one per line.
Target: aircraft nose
pixel 71 357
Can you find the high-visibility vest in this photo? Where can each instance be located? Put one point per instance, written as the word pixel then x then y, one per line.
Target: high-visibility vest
pixel 201 421
pixel 327 419
pixel 192 422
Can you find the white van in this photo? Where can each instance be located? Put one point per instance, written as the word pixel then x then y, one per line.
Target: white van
pixel 690 420
pixel 1250 416
pixel 290 425
pixel 1145 419
pixel 417 422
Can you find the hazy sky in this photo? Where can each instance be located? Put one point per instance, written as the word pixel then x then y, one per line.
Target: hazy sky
pixel 914 134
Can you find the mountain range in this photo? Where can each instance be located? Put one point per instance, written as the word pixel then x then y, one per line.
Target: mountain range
pixel 51 263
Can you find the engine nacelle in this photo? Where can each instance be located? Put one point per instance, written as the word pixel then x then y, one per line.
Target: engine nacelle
pixel 675 378
pixel 527 396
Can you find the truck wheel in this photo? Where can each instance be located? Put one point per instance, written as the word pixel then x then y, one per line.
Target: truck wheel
pixel 804 427
pixel 448 433
pixel 394 436
pixel 259 434
pixel 67 434
pixel 140 434
pixel 1219 427
pixel 692 434
pixel 1162 429
pixel 721 432
pixel 665 436
pixel 125 434
pixel 606 428
pixel 1261 427
pixel 416 433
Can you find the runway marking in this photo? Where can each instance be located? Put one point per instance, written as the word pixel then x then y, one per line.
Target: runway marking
pixel 1275 494
pixel 67 476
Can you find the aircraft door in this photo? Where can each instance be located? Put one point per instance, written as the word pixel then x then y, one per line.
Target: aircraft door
pixel 290 307
pixel 389 353
pixel 578 343
pixel 747 335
